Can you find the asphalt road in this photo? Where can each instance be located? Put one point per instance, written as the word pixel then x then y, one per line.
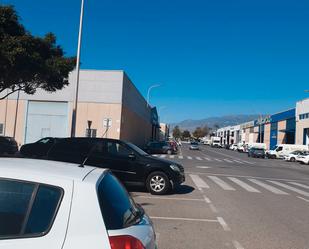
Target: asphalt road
pixel 232 201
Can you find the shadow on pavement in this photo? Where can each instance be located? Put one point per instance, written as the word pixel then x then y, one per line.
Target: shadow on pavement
pixel 183 189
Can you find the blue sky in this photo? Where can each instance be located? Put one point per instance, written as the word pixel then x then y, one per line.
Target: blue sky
pixel 211 57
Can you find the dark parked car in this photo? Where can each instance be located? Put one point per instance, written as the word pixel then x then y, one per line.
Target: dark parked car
pixel 256 152
pixel 129 163
pixel 38 149
pixel 8 145
pixel 160 148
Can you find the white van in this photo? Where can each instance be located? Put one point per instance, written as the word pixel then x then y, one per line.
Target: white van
pixel 283 150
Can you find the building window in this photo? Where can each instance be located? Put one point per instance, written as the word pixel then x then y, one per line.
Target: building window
pixel 91 132
pixel 304 116
pixel 1 129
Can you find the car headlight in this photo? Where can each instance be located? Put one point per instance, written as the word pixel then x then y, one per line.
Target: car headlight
pixel 175 167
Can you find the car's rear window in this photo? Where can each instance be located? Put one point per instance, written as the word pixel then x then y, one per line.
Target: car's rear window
pixel 117 207
pixel 27 209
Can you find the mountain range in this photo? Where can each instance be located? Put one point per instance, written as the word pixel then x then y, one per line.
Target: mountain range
pixel 191 124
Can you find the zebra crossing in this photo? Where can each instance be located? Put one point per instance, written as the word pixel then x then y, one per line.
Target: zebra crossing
pixel 252 185
pixel 207 159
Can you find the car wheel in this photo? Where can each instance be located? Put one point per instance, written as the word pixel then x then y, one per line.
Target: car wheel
pixel 292 159
pixel 158 183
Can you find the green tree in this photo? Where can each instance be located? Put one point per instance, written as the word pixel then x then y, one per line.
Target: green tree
pixel 199 132
pixel 28 63
pixel 186 134
pixel 176 132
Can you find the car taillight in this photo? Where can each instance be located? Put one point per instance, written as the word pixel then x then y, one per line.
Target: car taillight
pixel 125 242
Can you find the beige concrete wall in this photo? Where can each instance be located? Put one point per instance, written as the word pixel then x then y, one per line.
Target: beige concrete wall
pixel 10 107
pixel 281 135
pixel 96 112
pixel 267 135
pixel 300 126
pixel 134 128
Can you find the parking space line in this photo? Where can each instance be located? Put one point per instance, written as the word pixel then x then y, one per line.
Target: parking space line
pixel 183 219
pixel 206 158
pixel 199 183
pixel 218 160
pixel 247 162
pixel 227 160
pixel 237 245
pixel 213 208
pixel 299 185
pixel 180 157
pixel 163 156
pixel 223 224
pixel 244 185
pixel 302 198
pixel 172 156
pixel 268 187
pixel 167 198
pixel 283 185
pixel 198 158
pixel 221 183
pixel 207 200
pixel 190 158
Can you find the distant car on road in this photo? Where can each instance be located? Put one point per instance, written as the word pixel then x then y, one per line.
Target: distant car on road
pixel 38 149
pixel 58 205
pixel 292 157
pixel 233 147
pixel 194 146
pixel 256 152
pixel 304 158
pixel 8 145
pixel 128 162
pixel 160 148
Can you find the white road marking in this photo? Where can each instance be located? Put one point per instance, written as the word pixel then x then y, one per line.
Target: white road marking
pixel 246 176
pixel 163 156
pixel 237 245
pixel 155 155
pixel 221 183
pixel 247 162
pixel 172 156
pixel 206 158
pixel 227 160
pixel 223 224
pixel 207 200
pixel 168 198
pixel 238 162
pixel 268 187
pixel 199 182
pixel 190 158
pixel 302 198
pixel 213 208
pixel 218 160
pixel 198 158
pixel 283 185
pixel 183 219
pixel 180 157
pixel 203 167
pixel 244 185
pixel 299 185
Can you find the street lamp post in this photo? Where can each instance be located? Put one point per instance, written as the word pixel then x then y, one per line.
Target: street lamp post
pixel 74 113
pixel 148 93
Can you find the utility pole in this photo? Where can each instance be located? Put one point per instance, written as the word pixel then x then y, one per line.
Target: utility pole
pixel 75 103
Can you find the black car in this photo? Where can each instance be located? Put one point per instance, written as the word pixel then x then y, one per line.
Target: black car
pixel 39 149
pixel 160 148
pixel 256 152
pixel 128 162
pixel 8 145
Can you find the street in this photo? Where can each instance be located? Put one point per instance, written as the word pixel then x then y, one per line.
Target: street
pixel 232 201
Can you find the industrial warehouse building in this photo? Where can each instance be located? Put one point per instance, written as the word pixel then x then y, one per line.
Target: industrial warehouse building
pixel 286 127
pixel 108 103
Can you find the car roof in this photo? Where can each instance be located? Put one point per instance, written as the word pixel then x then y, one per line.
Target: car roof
pixel 45 168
